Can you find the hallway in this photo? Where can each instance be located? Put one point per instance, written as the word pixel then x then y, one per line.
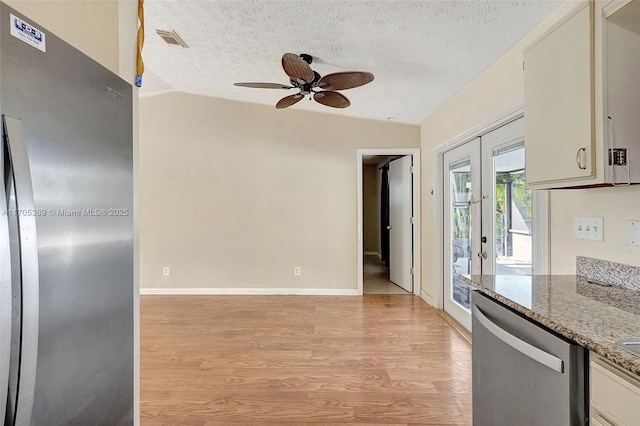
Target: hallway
pixel 376 277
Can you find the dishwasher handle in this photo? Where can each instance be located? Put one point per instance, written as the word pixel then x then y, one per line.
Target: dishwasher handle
pixel 520 345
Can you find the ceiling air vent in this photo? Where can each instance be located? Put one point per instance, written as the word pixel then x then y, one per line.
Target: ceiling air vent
pixel 171 38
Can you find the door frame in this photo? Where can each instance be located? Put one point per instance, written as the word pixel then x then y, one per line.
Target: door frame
pixel 541 208
pixel 417 243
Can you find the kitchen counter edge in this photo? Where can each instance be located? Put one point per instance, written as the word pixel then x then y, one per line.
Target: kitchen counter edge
pixel 608 350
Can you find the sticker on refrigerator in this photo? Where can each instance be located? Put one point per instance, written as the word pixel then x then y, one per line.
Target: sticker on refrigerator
pixel 27 33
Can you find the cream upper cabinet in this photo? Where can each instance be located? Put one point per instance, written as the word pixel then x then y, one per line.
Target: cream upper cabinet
pixel 581 98
pixel 559 104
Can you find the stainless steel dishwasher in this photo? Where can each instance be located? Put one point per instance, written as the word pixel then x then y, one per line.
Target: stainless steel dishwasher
pixel 523 374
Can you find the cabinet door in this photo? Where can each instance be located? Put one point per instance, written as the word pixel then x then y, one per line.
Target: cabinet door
pixel 615 394
pixel 559 105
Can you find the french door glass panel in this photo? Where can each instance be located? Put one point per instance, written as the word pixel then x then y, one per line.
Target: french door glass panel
pixel 506 207
pixel 462 227
pixel 513 214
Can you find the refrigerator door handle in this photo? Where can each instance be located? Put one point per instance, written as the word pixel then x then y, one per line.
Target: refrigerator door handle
pixel 520 345
pixel 5 291
pixel 26 215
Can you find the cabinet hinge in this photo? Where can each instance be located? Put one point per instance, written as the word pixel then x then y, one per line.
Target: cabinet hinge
pixel 411 271
pixel 411 220
pixel 410 169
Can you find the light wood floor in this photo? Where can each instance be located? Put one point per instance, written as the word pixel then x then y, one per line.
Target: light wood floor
pixel 267 360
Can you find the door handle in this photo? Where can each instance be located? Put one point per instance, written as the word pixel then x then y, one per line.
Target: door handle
pixel 6 294
pixel 475 200
pixel 17 149
pixel 544 358
pixel 581 164
pixel 482 254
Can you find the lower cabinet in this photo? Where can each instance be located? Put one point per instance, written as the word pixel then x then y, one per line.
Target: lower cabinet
pixel 615 394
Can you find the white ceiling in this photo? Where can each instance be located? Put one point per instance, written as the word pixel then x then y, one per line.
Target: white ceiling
pixel 422 53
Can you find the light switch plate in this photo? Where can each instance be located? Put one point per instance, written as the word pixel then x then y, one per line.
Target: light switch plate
pixel 588 228
pixel 632 232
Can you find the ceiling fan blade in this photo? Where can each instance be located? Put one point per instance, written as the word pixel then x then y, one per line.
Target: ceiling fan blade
pixel 296 68
pixel 332 99
pixel 287 101
pixel 345 80
pixel 264 85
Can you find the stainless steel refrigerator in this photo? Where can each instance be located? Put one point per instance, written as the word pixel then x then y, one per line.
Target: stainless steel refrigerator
pixel 66 233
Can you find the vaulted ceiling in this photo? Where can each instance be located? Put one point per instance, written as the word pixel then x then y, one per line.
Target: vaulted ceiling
pixel 422 53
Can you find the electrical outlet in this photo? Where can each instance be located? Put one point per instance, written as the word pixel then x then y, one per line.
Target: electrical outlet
pixel 297 270
pixel 165 271
pixel 632 232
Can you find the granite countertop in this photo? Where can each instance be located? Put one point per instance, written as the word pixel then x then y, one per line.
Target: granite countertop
pixel 591 315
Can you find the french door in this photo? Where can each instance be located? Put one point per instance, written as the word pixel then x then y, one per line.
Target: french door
pixel 487 214
pixel 462 227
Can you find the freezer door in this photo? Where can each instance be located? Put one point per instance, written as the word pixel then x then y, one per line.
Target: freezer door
pixel 523 374
pixel 77 122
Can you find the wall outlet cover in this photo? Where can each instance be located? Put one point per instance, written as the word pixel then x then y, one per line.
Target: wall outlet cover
pixel 632 232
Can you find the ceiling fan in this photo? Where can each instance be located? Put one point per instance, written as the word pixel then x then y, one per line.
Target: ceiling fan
pixel 308 81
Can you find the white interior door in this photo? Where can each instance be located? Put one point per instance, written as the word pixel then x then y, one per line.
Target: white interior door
pixel 462 213
pixel 400 218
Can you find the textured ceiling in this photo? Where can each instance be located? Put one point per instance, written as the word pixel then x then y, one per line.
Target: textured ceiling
pixel 422 53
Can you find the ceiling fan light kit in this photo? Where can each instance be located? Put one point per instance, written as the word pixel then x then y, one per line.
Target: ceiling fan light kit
pixel 308 81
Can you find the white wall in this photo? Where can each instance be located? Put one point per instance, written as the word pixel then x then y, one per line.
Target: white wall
pixel 234 195
pixel 496 92
pixel 615 205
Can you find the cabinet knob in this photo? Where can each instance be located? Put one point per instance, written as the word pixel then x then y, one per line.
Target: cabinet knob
pixel 582 152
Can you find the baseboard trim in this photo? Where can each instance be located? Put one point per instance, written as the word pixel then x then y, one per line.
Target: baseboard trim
pixel 252 291
pixel 466 335
pixel 427 298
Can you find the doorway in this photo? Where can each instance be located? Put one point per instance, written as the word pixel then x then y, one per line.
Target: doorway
pixel 404 244
pixel 488 213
